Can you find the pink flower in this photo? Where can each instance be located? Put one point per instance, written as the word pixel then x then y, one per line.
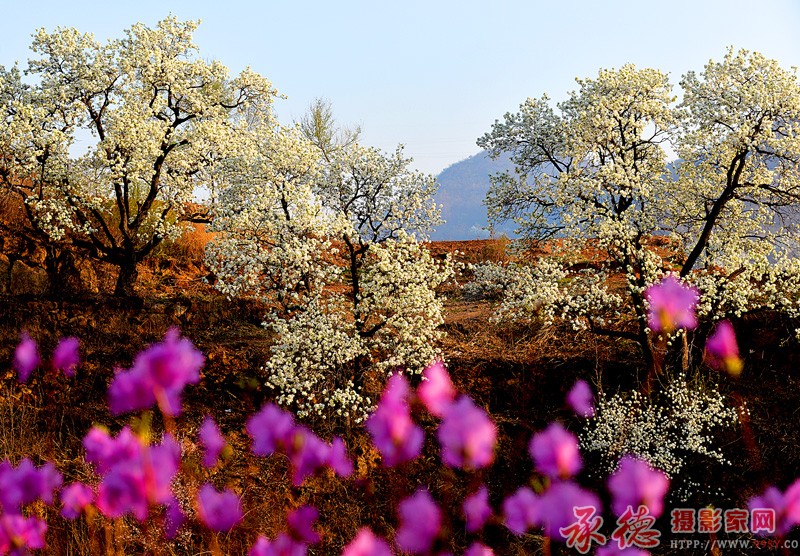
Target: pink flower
pixel 635 483
pixel 467 435
pixel 212 440
pixel 785 505
pixel 477 509
pixel 219 511
pixel 393 431
pixel 301 524
pixel 26 357
pixel 74 499
pixel 581 399
pixel 420 522
pixel 366 543
pixel 135 476
pixel 18 533
pixel 159 375
pixel 722 353
pixel 521 511
pixel 283 545
pixel 271 429
pixel 555 452
pixel 672 305
pixel 174 518
pixel 66 356
pixel 556 507
pixel 436 389
pixel 338 460
pixel 478 549
pixel 26 483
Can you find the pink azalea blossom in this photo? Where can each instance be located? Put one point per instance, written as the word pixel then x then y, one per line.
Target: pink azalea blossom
pixel 420 522
pixel 26 357
pixel 478 549
pixel 174 518
pixel 467 435
pixel 436 389
pixel 338 460
pixel 477 509
pixel 74 498
pixel 581 399
pixel 301 524
pixel 212 440
pixel 283 545
pixel 66 356
pixel 271 429
pixel 366 543
pixel 521 511
pixel 158 376
pixel 635 483
pixel 672 305
pixel 785 505
pixel 555 452
pixel 26 483
pixel 18 534
pixel 722 352
pixel 556 507
pixel 219 511
pixel 393 431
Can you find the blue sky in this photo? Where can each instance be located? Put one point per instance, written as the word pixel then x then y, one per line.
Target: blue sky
pixel 434 75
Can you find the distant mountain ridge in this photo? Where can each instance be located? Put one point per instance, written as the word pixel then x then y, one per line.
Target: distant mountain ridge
pixel 462 189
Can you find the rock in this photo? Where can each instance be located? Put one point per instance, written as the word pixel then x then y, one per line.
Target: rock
pixel 5 271
pixel 76 276
pixel 27 280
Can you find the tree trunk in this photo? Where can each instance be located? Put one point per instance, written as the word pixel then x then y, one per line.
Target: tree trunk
pixel 126 280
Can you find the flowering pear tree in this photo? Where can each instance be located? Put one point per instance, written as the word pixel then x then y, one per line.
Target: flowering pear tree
pixel 324 235
pixel 161 119
pixel 723 215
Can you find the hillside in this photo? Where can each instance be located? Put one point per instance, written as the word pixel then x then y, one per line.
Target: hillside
pixel 462 189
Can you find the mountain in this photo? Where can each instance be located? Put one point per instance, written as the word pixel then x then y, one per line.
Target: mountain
pixel 462 189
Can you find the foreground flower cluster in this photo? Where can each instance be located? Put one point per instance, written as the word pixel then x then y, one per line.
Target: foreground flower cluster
pixel 137 470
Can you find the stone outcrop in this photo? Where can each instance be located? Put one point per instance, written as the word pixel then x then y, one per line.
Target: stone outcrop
pixel 27 280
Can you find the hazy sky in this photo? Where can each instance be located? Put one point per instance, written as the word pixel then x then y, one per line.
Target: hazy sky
pixel 433 75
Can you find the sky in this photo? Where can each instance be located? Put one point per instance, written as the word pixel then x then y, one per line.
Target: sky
pixel 433 75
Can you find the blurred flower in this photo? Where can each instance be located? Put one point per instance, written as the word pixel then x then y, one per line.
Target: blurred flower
pixel 301 523
pixel 283 545
pixel 26 357
pixel 521 511
pixel 159 375
pixel 478 549
pixel 212 440
pixel 722 353
pixel 672 305
pixel 174 518
pixel 785 505
pixel 18 533
pixel 66 356
pixel 393 431
pixel 555 452
pixel 581 399
pixel 219 511
pixel 366 543
pixel 420 521
pixel 74 498
pixel 556 507
pixel 271 429
pixel 436 389
pixel 338 459
pixel 467 435
pixel 134 475
pixel 635 483
pixel 477 509
pixel 26 483
pixel 613 549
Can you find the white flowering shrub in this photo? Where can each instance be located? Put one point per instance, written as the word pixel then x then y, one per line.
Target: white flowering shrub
pixel 162 119
pixel 679 424
pixel 723 215
pixel 325 238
